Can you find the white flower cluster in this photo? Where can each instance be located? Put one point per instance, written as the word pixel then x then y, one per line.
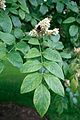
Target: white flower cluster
pixel 42 28
pixel 78 73
pixel 2 4
pixel 67 83
pixel 55 31
pixel 45 0
pixel 77 50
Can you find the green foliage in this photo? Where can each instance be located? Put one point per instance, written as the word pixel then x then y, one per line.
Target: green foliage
pixel 18 33
pixel 69 20
pixel 73 30
pixel 7 38
pixel 1 67
pixel 52 55
pixel 54 84
pixel 54 68
pixel 44 59
pixel 12 59
pixel 32 53
pixel 6 23
pixel 31 66
pixel 41 99
pixel 31 82
pixel 22 47
pixel 34 41
pixel 2 50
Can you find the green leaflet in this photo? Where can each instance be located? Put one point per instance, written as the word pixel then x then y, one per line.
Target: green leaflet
pixel 7 38
pixel 30 82
pixel 54 68
pixel 34 41
pixel 18 33
pixel 22 46
pixel 23 5
pixel 2 50
pixel 73 30
pixel 52 55
pixel 43 9
pixel 15 59
pixel 6 23
pixel 65 54
pixel 41 99
pixel 31 66
pixel 1 66
pixel 21 14
pixel 55 38
pixel 59 7
pixel 69 20
pixel 54 84
pixel 32 53
pixel 34 2
pixel 16 21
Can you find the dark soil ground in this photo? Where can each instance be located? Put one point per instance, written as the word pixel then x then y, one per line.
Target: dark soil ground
pixel 16 112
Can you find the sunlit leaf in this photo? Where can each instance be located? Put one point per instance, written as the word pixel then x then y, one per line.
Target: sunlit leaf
pixel 54 84
pixel 31 66
pixel 31 82
pixel 41 99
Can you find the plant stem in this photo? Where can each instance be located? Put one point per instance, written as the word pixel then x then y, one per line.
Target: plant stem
pixel 11 49
pixel 40 48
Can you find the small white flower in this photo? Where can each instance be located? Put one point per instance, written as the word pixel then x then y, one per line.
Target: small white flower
pixel 33 33
pixel 2 4
pixel 55 31
pixel 52 32
pixel 45 0
pixel 49 32
pixel 77 50
pixel 78 74
pixel 67 83
pixel 64 12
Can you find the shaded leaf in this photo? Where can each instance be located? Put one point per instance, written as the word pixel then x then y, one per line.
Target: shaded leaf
pixel 21 14
pixel 34 2
pixel 7 38
pixel 22 46
pixel 73 30
pixel 1 66
pixel 73 6
pixel 33 22
pixel 59 7
pixel 2 50
pixel 16 21
pixel 69 20
pixel 43 9
pixel 18 33
pixel 13 10
pixel 6 23
pixel 55 38
pixel 74 84
pixel 23 5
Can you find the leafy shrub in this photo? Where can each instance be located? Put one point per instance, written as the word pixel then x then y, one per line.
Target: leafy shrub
pixel 46 60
